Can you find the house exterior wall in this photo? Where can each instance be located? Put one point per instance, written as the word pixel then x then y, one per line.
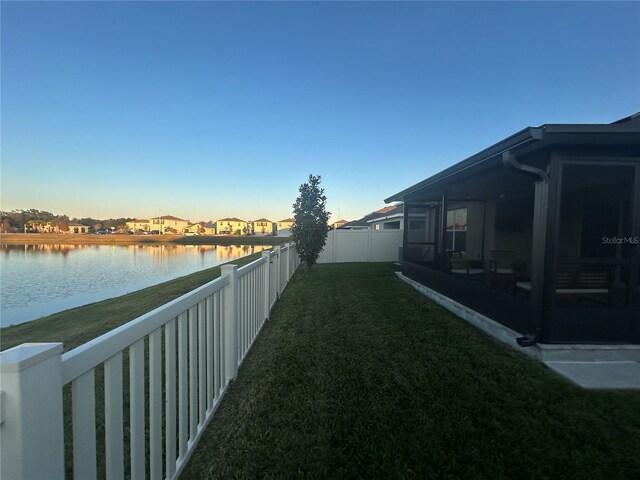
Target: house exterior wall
pixel 200 229
pixel 388 224
pixel 230 227
pixel 161 223
pixel 285 225
pixel 77 228
pixel 138 225
pixel 262 228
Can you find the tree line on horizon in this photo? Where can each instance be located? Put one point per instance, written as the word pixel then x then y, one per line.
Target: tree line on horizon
pixel 15 220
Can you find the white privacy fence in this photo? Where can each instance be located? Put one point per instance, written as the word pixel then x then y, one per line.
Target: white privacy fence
pixel 362 246
pixel 176 363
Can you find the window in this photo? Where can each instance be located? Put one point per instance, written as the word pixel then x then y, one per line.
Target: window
pixel 456 238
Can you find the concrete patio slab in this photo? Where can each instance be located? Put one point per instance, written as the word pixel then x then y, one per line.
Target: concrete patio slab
pixel 600 375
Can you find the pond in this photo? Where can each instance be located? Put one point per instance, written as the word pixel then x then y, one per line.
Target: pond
pixel 38 280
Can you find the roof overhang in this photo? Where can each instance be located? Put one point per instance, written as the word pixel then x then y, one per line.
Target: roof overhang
pixel 527 141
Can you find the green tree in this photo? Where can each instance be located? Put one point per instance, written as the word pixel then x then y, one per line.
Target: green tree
pixel 311 221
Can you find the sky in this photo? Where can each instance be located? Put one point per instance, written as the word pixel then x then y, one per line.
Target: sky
pixel 204 110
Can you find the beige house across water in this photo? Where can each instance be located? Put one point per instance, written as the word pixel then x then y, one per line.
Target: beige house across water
pixel 262 226
pixel 168 224
pixel 232 226
pixel 201 229
pixel 284 226
pixel 138 225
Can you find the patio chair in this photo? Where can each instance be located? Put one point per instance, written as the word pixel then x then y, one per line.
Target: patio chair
pixel 460 265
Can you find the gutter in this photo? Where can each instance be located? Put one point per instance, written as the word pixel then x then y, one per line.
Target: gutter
pixel 534 134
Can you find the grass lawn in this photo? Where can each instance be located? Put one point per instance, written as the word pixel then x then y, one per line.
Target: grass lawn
pixel 79 325
pixel 356 375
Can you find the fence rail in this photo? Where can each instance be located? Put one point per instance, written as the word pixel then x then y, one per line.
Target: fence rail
pixel 162 375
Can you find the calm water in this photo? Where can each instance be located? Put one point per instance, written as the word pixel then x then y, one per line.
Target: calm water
pixel 37 280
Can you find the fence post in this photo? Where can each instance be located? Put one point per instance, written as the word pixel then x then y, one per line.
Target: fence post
pixel 230 322
pixel 369 245
pixel 296 258
pixel 333 236
pixel 265 255
pixel 32 426
pixel 291 260
pixel 278 269
pixel 288 262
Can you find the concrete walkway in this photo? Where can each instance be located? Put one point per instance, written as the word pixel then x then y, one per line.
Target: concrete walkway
pixel 600 375
pixel 589 366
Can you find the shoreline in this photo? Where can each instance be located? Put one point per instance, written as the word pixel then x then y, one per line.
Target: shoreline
pixel 78 325
pixel 92 239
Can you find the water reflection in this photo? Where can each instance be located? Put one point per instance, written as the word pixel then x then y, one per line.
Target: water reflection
pixel 41 249
pixel 37 280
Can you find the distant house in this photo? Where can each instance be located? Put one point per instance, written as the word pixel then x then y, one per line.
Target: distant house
pixel 138 226
pixel 360 224
pixel 338 224
pixel 201 228
pixel 262 227
pixel 232 226
pixel 284 227
pixel 193 229
pixel 387 218
pixel 75 227
pixel 168 224
pixel 209 228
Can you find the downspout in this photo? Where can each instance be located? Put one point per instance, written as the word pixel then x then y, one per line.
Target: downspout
pixel 509 160
pixel 539 231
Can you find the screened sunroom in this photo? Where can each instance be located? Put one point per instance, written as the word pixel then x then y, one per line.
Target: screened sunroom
pixel 539 232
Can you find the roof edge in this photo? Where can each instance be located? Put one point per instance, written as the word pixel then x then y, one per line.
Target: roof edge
pixel 523 136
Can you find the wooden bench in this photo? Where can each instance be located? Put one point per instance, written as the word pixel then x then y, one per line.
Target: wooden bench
pixel 579 280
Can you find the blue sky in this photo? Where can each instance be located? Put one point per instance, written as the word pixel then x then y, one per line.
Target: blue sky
pixel 211 109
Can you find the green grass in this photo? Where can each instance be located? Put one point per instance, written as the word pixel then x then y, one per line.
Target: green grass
pixel 79 325
pixel 356 375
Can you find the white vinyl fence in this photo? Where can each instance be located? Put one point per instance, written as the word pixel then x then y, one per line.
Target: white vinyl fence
pixel 177 361
pixel 362 246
